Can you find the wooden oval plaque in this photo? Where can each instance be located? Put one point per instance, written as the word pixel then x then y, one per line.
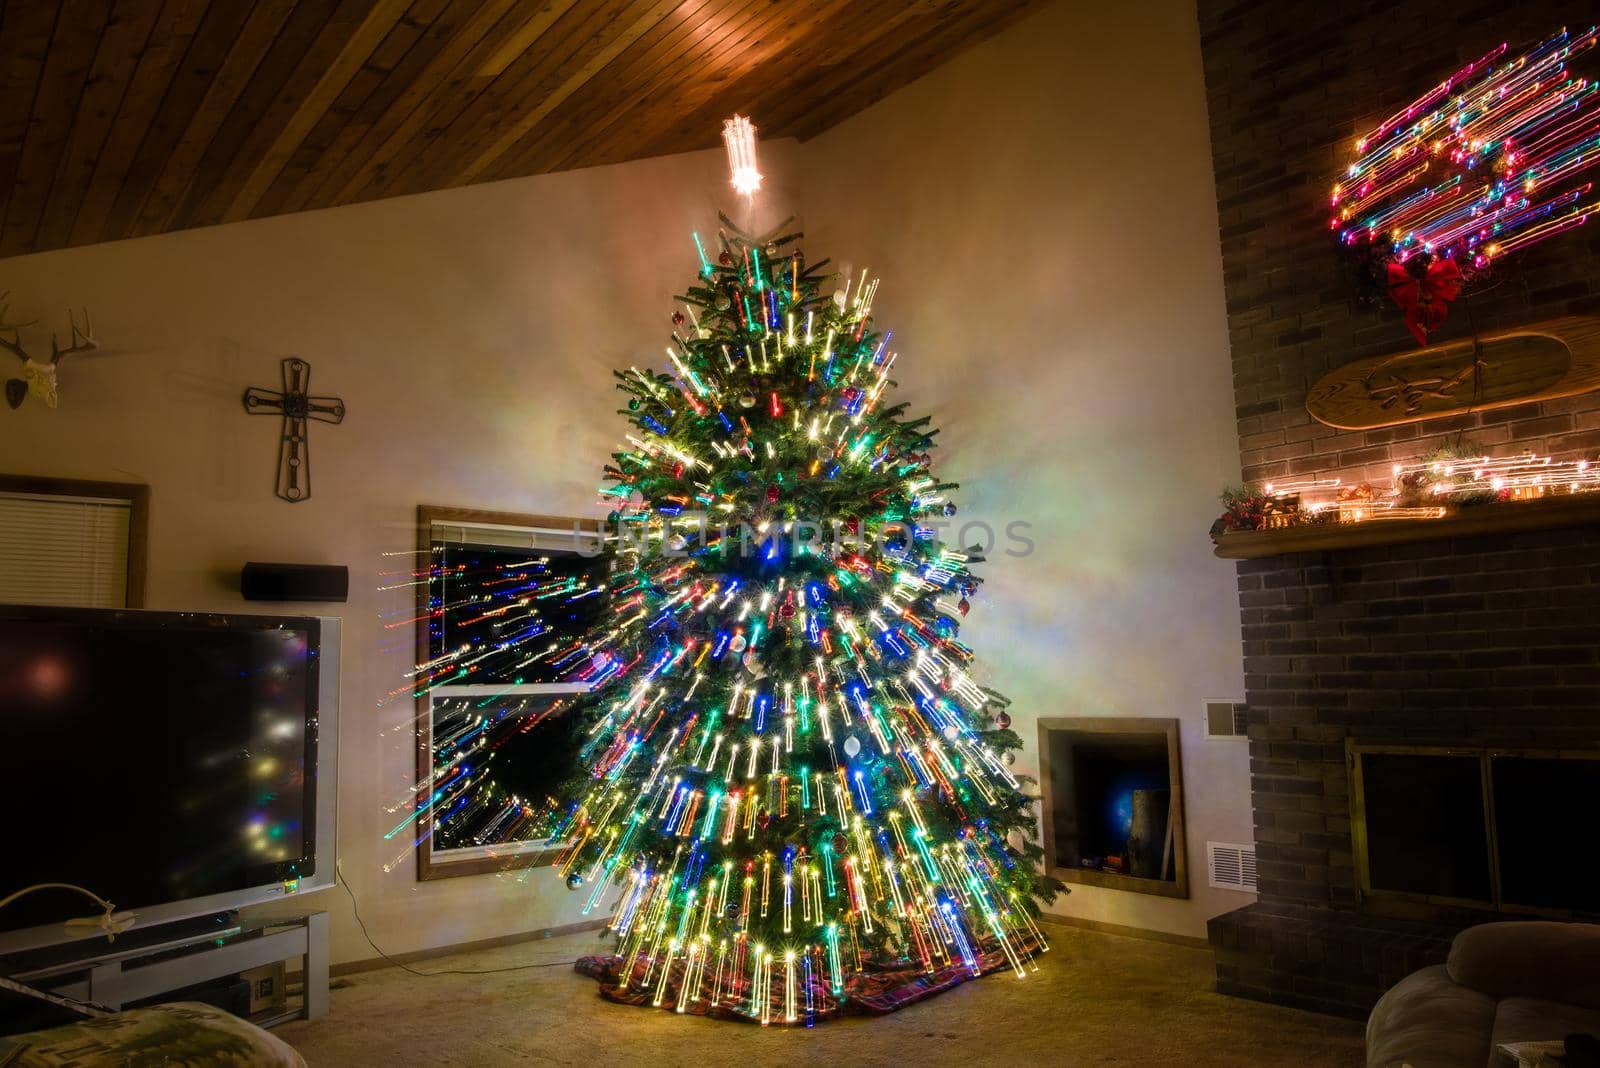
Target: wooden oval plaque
pixel 1556 358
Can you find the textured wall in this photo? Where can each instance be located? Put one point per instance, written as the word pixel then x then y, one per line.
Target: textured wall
pixel 1057 299
pixel 1496 640
pixel 1291 84
pixel 472 334
pixel 1055 290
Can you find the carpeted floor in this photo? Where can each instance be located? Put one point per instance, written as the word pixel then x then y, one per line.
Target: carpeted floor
pixel 1097 999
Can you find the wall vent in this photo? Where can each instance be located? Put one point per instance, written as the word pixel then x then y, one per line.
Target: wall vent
pixel 1231 867
pixel 1225 719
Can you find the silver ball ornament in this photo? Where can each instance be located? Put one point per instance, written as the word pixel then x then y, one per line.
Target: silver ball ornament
pixel 574 881
pixel 852 746
pixel 752 663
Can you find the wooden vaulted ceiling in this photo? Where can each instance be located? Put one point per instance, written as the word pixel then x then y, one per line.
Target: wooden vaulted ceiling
pixel 120 118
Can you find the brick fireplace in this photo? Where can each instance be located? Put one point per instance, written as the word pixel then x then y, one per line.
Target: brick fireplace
pixel 1489 641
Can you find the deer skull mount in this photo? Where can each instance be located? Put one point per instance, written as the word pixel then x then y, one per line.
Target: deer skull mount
pixel 38 377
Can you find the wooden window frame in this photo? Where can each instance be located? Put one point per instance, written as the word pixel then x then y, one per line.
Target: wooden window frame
pixel 432 865
pixel 137 494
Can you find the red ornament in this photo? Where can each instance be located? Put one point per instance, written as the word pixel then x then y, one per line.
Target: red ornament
pixel 786 609
pixel 840 843
pixel 764 818
pixel 677 318
pixel 1002 720
pixel 853 525
pixel 726 259
pixel 1424 294
pixel 772 493
pixel 964 605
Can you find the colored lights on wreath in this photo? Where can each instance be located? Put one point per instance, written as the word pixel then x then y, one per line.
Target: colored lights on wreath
pixel 1502 137
pixel 1487 163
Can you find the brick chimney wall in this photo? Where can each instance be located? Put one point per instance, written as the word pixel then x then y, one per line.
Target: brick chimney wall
pixel 1488 640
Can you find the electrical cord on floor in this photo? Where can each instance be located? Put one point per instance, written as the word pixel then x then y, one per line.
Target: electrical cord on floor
pixel 443 971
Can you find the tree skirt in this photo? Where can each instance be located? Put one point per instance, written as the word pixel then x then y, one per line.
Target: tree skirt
pixel 873 991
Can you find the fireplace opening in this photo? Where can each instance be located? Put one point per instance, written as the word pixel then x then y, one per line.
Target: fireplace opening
pixel 1484 828
pixel 1426 833
pixel 1113 813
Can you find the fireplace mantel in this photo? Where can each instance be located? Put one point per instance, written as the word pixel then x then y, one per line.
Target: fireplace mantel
pixel 1469 521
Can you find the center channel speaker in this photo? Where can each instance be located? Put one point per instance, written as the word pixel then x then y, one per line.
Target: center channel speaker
pixel 294 582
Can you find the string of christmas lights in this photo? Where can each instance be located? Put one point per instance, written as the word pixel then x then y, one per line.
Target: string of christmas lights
pixel 1485 164
pixel 790 774
pixel 1428 488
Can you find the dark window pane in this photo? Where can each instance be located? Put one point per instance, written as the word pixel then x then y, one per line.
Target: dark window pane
pixel 1540 807
pixel 496 760
pixel 1425 825
pixel 515 615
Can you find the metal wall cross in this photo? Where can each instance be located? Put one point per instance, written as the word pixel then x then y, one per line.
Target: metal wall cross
pixel 296 406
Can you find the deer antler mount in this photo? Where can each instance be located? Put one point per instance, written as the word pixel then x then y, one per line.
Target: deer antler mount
pixel 38 377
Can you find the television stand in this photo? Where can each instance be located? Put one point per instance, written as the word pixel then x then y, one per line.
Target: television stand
pixel 158 960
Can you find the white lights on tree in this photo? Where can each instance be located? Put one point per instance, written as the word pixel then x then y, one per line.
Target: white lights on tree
pixel 739 134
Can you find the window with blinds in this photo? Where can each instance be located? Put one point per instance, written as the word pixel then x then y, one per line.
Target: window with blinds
pixel 577 537
pixel 64 549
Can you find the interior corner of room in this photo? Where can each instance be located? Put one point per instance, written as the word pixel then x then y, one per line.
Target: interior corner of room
pixel 311 461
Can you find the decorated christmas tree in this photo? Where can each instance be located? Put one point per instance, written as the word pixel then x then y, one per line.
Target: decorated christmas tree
pixel 790 773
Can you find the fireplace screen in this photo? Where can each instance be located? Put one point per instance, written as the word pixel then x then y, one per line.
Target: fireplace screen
pixel 1490 828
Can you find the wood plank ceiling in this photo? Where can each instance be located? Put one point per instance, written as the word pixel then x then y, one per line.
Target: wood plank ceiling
pixel 120 118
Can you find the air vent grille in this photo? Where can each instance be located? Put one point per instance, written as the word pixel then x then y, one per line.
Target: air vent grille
pixel 1231 866
pixel 1225 719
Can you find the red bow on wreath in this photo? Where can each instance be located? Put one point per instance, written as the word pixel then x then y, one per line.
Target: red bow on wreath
pixel 1425 296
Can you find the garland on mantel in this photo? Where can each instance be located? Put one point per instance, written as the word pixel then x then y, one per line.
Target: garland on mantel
pixel 1430 488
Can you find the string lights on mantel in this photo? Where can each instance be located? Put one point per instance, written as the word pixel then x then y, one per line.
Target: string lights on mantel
pixel 1429 488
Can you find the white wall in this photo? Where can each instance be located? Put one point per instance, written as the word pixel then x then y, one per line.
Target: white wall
pixel 472 334
pixel 1041 212
pixel 1043 216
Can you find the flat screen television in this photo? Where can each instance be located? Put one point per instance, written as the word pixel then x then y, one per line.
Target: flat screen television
pixel 175 764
